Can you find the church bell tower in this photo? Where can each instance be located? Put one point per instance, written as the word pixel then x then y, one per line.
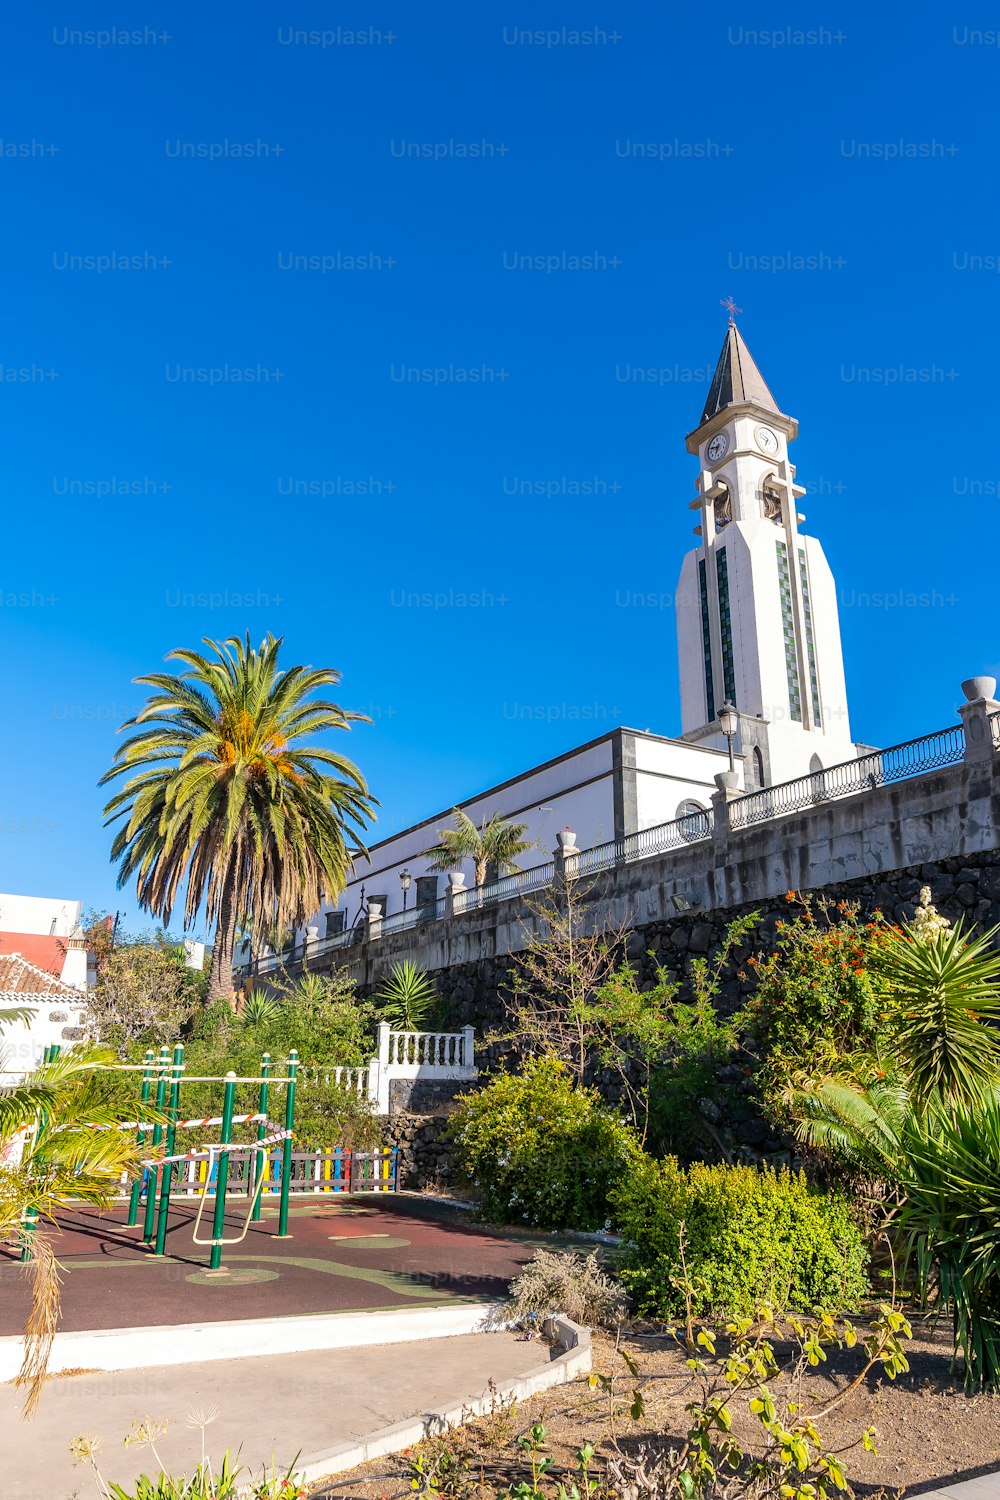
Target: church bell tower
pixel 757 618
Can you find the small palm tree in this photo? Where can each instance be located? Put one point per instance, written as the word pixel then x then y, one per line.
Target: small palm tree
pixel 50 1155
pixel 227 798
pixel 495 842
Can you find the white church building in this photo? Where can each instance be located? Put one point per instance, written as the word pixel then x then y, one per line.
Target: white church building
pixel 757 632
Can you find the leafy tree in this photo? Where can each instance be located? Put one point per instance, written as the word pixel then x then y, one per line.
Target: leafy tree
pixel 144 991
pixel 495 842
pixel 556 976
pixel 226 796
pixel 574 998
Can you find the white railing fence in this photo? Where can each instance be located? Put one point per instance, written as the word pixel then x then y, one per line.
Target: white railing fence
pixel 424 1055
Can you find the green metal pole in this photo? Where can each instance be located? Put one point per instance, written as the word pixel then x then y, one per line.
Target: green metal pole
pixel 286 1145
pixel 154 1176
pixel 147 1089
pixel 167 1170
pixel 257 1165
pixel 222 1173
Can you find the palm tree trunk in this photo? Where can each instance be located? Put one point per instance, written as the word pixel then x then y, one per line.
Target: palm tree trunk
pixel 220 979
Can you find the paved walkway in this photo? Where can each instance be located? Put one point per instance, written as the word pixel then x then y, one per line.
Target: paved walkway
pixel 277 1405
pixel 986 1487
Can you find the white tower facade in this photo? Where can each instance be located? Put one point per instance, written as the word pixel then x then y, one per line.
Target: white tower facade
pixel 757 619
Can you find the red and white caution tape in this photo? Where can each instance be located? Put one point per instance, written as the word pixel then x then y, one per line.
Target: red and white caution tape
pixel 178 1124
pixel 215 1148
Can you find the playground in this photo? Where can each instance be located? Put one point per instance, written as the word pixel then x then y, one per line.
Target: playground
pixel 231 1218
pixel 341 1253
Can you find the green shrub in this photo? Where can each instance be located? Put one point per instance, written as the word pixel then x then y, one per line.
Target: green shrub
pixel 750 1237
pixel 541 1151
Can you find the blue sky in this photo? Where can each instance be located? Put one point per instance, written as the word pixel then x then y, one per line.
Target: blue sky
pixel 838 184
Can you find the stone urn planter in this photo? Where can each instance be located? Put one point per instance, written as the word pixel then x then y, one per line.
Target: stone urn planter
pixel 979 687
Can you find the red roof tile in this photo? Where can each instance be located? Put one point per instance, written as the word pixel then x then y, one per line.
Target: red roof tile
pixel 48 953
pixel 19 977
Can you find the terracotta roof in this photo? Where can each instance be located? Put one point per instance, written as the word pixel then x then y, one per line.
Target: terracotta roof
pixel 19 977
pixel 40 949
pixel 736 379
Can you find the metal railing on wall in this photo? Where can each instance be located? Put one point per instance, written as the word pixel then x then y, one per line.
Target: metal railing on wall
pixel 520 883
pixel 878 768
pixel 676 834
pixel 865 774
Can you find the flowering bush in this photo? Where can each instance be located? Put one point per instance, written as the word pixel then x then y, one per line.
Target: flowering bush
pixel 541 1151
pixel 818 999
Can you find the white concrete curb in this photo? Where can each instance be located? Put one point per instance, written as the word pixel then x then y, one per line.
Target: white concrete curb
pixel 574 1358
pixel 185 1343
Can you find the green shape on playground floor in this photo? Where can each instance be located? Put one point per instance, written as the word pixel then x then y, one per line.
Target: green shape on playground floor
pixel 232 1278
pixel 393 1281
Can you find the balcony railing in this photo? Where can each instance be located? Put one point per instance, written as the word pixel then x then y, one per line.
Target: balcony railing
pixel 868 772
pixel 520 883
pixel 677 834
pixel 865 774
pixel 400 921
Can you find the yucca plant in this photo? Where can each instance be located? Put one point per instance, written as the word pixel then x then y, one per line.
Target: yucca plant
pixel 227 798
pixel 408 997
pixel 259 1009
pixel 945 987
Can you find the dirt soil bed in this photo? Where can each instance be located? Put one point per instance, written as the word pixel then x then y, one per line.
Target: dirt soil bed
pixel 928 1431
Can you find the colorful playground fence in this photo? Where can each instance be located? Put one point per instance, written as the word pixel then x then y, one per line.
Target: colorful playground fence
pixel 334 1170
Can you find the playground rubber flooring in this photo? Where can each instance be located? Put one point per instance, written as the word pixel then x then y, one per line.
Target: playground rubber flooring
pixel 343 1254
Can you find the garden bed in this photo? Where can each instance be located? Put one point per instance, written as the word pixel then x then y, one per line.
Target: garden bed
pixel 928 1432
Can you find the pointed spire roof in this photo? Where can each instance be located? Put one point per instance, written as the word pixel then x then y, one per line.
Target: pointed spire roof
pixel 736 379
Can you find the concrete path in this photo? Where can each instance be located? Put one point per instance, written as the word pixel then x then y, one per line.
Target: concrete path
pixel 986 1487
pixel 276 1405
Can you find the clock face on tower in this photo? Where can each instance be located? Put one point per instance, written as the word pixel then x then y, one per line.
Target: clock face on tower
pixel 767 441
pixel 718 447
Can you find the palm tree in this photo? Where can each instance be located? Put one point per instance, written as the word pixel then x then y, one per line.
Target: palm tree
pixel 223 795
pixel 495 842
pixel 50 1154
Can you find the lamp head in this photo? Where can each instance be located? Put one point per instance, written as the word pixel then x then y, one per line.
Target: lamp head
pixel 729 719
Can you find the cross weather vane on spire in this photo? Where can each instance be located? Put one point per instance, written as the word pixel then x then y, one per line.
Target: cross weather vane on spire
pixel 731 309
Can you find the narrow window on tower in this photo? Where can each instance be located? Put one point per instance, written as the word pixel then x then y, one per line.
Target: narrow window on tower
pixel 706 641
pixel 726 621
pixel 810 644
pixel 788 631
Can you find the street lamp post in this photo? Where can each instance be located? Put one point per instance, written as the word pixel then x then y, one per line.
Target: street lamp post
pixel 729 723
pixel 404 880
